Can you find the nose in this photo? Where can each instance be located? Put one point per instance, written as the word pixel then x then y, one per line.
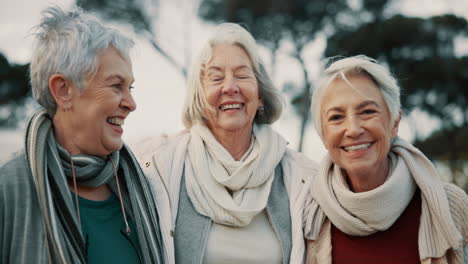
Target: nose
pixel 128 102
pixel 230 85
pixel 353 127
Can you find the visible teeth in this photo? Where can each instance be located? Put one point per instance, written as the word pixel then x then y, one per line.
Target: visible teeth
pixel 357 147
pixel 115 121
pixel 230 106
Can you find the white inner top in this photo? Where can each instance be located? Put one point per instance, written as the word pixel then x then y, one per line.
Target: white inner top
pixel 255 243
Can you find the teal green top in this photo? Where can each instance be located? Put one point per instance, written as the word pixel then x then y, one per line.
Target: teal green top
pixel 104 233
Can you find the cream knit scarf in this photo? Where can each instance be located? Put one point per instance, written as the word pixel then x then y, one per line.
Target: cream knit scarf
pixel 362 214
pixel 211 173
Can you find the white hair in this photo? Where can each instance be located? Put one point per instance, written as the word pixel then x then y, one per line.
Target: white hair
pixel 68 43
pixel 195 100
pixel 358 65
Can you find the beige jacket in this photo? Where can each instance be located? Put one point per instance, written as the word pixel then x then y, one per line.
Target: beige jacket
pixel 162 160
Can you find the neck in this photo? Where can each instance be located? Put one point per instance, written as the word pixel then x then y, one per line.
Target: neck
pixel 366 181
pixel 62 134
pixel 235 142
pixel 99 193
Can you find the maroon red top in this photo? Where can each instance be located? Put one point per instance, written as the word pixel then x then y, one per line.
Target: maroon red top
pixel 398 244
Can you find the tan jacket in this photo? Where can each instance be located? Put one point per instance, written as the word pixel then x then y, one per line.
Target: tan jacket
pixel 162 160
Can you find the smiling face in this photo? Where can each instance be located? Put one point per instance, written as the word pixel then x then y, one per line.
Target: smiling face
pixel 231 90
pixel 357 130
pixel 94 124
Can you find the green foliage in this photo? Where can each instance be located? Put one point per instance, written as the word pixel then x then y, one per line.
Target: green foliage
pixel 14 91
pixel 272 20
pixel 131 12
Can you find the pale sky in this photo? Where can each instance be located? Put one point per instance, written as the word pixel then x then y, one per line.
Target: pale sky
pixel 160 90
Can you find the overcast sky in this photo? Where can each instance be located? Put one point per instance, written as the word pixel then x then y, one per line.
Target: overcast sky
pixel 160 91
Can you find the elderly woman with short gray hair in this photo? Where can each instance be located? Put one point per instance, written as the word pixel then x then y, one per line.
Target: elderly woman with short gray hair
pixel 229 188
pixel 376 199
pixel 76 194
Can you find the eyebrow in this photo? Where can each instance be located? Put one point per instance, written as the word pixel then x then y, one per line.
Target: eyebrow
pixel 367 103
pixel 212 70
pixel 236 68
pixel 360 106
pixel 120 77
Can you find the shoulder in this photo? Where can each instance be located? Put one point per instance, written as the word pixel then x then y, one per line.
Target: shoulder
pixel 16 178
pixel 155 144
pixel 299 160
pixel 298 171
pixel 458 203
pixel 458 200
pixel 16 170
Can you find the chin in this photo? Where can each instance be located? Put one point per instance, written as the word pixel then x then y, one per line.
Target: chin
pixel 235 126
pixel 115 145
pixel 362 168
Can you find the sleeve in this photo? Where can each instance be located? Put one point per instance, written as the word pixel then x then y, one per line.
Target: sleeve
pixel 22 237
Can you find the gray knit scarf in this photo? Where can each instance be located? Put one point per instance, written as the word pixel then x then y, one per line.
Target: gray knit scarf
pixel 50 167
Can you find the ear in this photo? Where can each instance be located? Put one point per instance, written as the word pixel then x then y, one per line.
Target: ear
pixel 396 125
pixel 62 91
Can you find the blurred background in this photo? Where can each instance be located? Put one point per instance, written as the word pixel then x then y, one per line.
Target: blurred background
pixel 423 42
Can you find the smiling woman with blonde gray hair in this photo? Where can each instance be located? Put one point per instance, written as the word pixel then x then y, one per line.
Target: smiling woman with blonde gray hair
pixel 230 189
pixel 376 199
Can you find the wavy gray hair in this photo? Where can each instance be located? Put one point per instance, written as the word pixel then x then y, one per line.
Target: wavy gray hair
pixel 68 43
pixel 358 65
pixel 195 100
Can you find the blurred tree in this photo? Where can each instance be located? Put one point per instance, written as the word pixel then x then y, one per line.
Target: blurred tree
pixel 14 91
pixel 421 53
pixel 141 15
pixel 450 147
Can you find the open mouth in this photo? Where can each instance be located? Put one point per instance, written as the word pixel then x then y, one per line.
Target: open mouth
pixel 115 121
pixel 226 107
pixel 357 147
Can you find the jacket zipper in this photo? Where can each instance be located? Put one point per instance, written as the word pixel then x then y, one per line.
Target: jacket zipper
pixel 133 245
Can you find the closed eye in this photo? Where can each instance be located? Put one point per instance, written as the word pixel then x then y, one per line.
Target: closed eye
pixel 243 77
pixel 216 79
pixel 368 111
pixel 335 117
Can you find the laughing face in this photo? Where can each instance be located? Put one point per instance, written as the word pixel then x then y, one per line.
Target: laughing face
pixel 356 125
pixel 231 90
pixel 99 110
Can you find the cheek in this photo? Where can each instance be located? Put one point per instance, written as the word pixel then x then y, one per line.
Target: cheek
pixel 253 90
pixel 327 137
pixel 211 95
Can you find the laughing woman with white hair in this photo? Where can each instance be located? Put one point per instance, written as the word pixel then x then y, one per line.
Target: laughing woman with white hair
pixel 376 199
pixel 76 194
pixel 229 188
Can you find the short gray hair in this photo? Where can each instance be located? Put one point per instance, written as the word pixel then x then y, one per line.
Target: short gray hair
pixel 68 43
pixel 195 100
pixel 358 65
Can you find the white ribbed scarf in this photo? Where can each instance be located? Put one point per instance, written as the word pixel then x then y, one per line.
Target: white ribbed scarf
pixel 362 214
pixel 210 171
